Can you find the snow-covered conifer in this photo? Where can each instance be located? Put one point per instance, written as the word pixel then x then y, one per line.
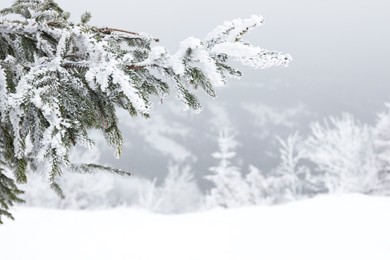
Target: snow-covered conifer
pixel 258 187
pixel 230 190
pixel 179 193
pixel 59 79
pixel 148 197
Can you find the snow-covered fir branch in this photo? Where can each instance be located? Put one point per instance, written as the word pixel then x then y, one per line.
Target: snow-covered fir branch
pixel 59 79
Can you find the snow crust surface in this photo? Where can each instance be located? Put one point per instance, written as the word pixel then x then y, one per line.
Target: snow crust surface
pixel 326 227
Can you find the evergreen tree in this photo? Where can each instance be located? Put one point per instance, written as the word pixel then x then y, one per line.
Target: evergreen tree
pixel 231 189
pixel 59 79
pixel 258 187
pixel 179 192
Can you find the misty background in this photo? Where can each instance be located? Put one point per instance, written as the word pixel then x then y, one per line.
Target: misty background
pixel 341 59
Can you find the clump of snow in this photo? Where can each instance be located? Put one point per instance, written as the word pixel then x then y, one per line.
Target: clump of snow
pixel 251 55
pixel 232 31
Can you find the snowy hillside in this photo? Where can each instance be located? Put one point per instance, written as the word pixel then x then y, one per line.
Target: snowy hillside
pixel 327 227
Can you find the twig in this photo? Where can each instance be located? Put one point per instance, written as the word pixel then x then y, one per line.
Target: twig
pixel 135 67
pixel 54 24
pixel 107 30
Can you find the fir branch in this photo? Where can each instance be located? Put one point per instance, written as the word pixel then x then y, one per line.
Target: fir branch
pixel 135 67
pixel 95 168
pixel 58 80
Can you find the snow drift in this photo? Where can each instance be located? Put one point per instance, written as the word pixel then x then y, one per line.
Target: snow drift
pixel 326 227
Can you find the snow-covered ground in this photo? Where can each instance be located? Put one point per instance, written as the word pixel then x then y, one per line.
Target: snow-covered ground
pixel 327 227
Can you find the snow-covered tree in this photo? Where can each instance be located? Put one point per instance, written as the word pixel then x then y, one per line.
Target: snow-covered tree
pixel 289 169
pixel 343 151
pixel 230 190
pixel 179 193
pixel 148 197
pixel 258 187
pixel 293 174
pixel 59 79
pixel 381 135
pixel 290 180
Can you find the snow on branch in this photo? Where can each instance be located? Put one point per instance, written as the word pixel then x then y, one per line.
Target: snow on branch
pixel 59 79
